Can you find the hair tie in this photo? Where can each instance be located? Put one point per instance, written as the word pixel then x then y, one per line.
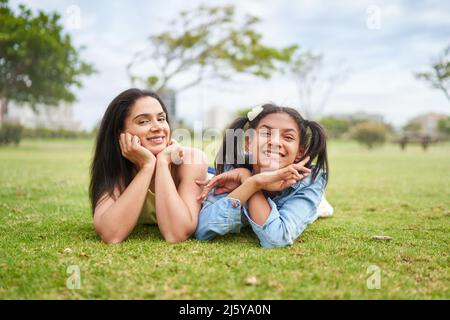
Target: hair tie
pixel 252 114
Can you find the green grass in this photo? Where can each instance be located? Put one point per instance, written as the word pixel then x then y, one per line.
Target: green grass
pixel 44 209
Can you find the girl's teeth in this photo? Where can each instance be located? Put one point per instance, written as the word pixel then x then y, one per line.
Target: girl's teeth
pixel 268 154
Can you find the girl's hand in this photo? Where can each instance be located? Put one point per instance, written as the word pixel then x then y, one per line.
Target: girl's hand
pixel 173 153
pixel 224 182
pixel 282 178
pixel 131 148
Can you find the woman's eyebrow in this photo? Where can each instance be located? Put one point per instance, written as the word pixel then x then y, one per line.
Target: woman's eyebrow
pixel 149 115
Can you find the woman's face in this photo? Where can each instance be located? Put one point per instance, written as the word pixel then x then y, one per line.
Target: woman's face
pixel 148 121
pixel 276 143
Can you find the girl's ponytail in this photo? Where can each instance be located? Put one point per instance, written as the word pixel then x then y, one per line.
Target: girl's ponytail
pixel 317 147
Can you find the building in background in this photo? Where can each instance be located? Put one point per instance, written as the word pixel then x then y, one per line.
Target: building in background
pixel 51 117
pixel 169 98
pixel 359 116
pixel 218 118
pixel 427 124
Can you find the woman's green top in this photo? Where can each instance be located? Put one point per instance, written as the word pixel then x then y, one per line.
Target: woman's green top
pixel 148 212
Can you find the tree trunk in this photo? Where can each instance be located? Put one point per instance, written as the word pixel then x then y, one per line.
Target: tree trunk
pixel 3 110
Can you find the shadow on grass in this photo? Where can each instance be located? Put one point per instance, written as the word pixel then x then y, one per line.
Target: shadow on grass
pixel 146 232
pixel 87 232
pixel 151 234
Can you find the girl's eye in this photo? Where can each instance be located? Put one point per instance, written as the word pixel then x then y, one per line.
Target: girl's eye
pixel 162 119
pixel 143 122
pixel 290 138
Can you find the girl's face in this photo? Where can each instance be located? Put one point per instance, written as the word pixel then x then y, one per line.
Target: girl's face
pixel 147 120
pixel 276 143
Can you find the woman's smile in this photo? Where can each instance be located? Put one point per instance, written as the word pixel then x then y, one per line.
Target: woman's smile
pixel 156 140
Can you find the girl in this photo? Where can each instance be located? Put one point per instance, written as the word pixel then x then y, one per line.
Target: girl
pixel 273 187
pixel 137 168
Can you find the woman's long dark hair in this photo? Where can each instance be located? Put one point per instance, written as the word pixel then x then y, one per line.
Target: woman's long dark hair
pixel 312 141
pixel 109 169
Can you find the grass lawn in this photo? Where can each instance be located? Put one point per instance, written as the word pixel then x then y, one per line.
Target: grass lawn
pixel 44 210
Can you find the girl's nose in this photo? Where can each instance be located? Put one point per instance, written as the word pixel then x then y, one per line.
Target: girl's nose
pixel 275 141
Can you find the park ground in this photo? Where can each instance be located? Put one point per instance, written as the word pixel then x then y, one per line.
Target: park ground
pixel 46 229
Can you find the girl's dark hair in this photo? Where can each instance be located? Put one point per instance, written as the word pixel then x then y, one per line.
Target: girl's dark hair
pixel 312 141
pixel 109 169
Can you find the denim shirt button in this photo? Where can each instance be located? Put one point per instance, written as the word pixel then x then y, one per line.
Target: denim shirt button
pixel 235 204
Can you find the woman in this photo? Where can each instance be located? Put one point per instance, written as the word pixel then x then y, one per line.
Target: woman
pixel 140 175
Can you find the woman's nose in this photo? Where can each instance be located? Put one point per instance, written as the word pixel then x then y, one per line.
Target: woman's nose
pixel 155 127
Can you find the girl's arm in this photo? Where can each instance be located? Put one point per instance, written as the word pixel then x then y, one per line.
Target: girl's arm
pixel 283 225
pixel 220 215
pixel 250 189
pixel 177 209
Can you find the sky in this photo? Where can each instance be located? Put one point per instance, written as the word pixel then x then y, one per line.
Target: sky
pixel 381 44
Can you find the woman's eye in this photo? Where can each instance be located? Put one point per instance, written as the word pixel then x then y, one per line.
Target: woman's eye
pixel 290 138
pixel 143 122
pixel 162 119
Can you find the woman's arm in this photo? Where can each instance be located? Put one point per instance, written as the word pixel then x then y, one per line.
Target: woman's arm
pixel 115 218
pixel 177 208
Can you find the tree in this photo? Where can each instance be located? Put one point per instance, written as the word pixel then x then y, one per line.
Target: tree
pixel 314 86
pixel 439 75
pixel 334 126
pixel 206 43
pixel 38 63
pixel 413 127
pixel 369 133
pixel 444 127
pixel 242 112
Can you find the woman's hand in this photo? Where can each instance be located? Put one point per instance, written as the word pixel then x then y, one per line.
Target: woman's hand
pixel 282 178
pixel 224 182
pixel 131 148
pixel 173 153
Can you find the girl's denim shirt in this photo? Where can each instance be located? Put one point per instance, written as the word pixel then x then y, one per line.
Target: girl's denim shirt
pixel 292 211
